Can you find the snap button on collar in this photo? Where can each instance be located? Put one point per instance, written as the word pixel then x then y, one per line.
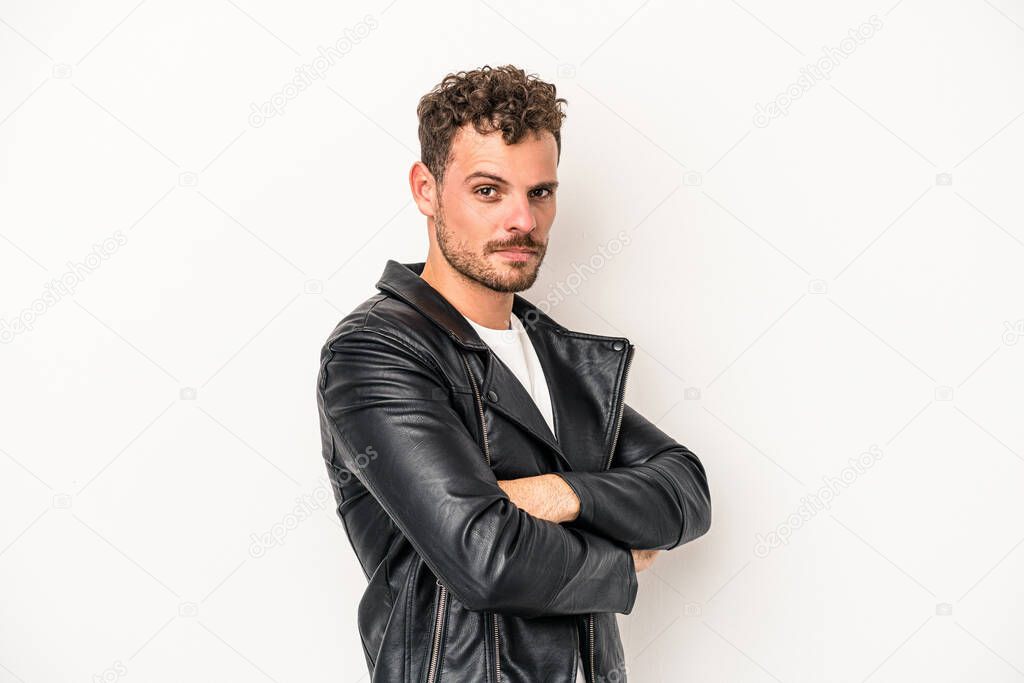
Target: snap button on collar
pixel 618 346
pixel 492 396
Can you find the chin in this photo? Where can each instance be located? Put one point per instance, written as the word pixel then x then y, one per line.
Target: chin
pixel 521 279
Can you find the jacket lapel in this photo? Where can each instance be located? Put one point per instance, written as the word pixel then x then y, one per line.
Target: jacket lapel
pixel 511 399
pixel 583 371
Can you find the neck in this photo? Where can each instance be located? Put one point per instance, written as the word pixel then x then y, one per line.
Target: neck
pixel 481 304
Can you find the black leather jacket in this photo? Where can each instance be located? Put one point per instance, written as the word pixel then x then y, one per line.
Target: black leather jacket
pixel 419 419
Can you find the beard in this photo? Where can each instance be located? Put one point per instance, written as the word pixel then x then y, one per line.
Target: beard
pixel 512 276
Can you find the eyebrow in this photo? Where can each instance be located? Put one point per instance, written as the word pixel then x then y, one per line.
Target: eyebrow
pixel 498 180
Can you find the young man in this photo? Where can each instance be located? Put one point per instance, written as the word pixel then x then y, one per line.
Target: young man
pixel 497 490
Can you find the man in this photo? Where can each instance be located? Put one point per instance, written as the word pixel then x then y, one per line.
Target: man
pixel 499 493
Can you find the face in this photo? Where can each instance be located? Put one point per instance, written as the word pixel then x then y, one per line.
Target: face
pixel 496 208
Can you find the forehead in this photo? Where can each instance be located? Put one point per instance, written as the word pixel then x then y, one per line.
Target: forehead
pixel 535 153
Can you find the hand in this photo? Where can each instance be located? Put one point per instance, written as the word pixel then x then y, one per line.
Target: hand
pixel 643 559
pixel 545 496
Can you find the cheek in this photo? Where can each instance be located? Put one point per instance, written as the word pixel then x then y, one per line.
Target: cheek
pixel 471 226
pixel 545 218
pixel 546 212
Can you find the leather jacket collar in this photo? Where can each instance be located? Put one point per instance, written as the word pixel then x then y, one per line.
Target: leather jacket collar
pixel 589 368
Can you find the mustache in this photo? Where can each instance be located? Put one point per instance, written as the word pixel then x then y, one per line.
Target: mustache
pixel 519 244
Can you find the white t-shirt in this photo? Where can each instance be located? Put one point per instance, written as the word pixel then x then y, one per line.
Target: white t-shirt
pixel 515 349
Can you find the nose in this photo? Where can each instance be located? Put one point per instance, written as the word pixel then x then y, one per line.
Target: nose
pixel 520 217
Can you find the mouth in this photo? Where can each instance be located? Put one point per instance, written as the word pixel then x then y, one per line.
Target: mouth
pixel 517 253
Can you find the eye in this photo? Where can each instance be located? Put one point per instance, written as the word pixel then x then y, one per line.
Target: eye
pixel 487 187
pixel 543 189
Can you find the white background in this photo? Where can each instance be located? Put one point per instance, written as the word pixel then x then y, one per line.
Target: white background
pixel 847 276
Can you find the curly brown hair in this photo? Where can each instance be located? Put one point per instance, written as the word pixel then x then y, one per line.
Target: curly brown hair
pixel 503 98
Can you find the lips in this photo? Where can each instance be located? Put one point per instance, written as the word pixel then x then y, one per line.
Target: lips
pixel 519 255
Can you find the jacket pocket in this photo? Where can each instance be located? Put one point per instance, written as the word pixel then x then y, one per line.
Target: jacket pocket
pixel 539 649
pixel 462 654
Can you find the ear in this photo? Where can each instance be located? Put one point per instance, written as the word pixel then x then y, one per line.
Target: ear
pixel 424 188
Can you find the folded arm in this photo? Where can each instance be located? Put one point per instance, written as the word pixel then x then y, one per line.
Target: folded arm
pixel 429 475
pixel 654 496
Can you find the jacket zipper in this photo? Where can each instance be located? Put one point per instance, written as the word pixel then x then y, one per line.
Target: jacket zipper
pixel 487 456
pixel 435 647
pixel 622 406
pixel 497 660
pixel 611 453
pixel 480 407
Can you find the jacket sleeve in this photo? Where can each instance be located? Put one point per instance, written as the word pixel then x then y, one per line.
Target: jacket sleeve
pixel 394 427
pixel 654 496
